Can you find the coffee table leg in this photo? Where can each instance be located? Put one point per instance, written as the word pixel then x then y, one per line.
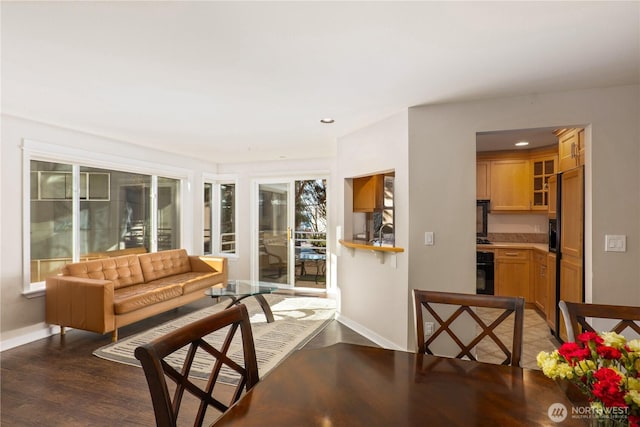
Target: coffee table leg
pixel 234 301
pixel 265 307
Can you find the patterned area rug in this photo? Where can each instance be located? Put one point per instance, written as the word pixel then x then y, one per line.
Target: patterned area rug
pixel 297 320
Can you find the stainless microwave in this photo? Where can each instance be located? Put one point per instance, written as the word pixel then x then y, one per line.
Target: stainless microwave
pixel 482 210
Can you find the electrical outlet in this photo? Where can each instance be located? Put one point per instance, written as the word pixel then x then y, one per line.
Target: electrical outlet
pixel 428 328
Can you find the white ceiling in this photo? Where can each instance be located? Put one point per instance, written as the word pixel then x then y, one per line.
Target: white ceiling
pixel 506 140
pixel 236 81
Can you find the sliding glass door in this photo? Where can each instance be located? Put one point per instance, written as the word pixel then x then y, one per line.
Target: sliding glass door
pixel 274 232
pixel 291 240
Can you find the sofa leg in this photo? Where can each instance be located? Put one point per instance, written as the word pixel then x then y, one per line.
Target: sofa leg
pixel 62 331
pixel 114 335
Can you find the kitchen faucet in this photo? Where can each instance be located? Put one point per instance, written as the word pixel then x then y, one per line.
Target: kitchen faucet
pixel 381 229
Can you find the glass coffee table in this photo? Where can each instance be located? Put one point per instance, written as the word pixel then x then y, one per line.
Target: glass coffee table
pixel 237 290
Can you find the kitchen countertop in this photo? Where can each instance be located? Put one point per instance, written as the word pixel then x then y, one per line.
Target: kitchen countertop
pixel 544 247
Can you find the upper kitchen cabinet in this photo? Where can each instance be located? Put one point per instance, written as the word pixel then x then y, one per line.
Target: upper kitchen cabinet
pixel 516 181
pixel 368 193
pixel 552 196
pixel 483 180
pixel 510 185
pixel 570 148
pixel 542 169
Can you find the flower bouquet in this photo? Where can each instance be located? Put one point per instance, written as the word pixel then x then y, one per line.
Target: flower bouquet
pixel 605 368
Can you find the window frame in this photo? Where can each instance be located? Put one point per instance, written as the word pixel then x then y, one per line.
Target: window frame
pixel 216 181
pixel 47 152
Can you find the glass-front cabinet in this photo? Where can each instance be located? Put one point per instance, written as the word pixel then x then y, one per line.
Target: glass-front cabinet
pixel 543 169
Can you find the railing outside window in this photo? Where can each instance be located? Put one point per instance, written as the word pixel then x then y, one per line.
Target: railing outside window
pixel 310 241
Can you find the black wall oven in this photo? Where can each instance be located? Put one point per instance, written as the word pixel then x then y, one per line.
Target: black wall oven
pixel 484 273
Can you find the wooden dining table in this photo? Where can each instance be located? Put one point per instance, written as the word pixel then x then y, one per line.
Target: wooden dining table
pixel 355 385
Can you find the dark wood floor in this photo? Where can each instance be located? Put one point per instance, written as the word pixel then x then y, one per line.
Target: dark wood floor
pixel 57 381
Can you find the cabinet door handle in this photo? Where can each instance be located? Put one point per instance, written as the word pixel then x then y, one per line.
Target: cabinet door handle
pixel 511 253
pixel 573 150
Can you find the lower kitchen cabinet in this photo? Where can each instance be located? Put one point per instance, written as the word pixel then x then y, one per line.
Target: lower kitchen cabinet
pixel 512 273
pixel 571 284
pixel 551 291
pixel 540 273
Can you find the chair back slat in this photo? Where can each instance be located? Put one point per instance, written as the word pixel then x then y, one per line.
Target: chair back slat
pixel 153 358
pixel 576 314
pixel 512 307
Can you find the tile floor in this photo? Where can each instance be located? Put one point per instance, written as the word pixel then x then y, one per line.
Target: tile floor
pixel 537 337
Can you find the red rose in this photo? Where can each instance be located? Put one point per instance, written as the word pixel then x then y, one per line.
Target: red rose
pixel 634 421
pixel 573 352
pixel 585 337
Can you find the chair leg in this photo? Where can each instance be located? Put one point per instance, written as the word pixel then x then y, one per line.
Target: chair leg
pixel 114 335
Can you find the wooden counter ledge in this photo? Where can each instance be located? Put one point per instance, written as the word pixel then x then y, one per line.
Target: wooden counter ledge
pixel 378 251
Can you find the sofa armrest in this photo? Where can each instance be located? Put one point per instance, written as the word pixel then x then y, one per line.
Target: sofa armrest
pixel 80 303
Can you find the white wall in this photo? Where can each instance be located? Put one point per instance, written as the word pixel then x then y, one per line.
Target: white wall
pixel 442 177
pixel 432 150
pixel 247 173
pixel 435 187
pixel 374 296
pixel 22 318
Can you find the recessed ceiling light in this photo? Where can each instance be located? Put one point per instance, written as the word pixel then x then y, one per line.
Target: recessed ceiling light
pixel 521 143
pixel 327 120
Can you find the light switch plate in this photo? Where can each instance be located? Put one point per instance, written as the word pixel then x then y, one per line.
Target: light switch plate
pixel 615 243
pixel 428 238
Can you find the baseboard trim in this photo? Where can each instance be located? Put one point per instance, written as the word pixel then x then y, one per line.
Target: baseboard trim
pixel 367 333
pixel 27 335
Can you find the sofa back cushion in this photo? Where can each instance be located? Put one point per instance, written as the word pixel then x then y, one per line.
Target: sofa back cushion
pixel 122 271
pixel 161 264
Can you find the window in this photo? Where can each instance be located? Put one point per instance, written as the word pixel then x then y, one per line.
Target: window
pixel 219 218
pixel 80 213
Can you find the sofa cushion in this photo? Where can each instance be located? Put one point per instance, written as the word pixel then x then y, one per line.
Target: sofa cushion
pixel 122 271
pixel 157 265
pixel 135 297
pixel 198 281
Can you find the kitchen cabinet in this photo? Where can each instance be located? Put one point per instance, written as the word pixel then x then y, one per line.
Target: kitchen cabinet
pixel 542 169
pixel 553 196
pixel 572 238
pixel 572 206
pixel 571 279
pixel 512 273
pixel 540 280
pixel 483 180
pixel 570 148
pixel 552 303
pixel 368 193
pixel 510 185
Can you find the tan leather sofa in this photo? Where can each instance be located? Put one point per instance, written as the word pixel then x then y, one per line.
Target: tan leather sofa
pixel 104 294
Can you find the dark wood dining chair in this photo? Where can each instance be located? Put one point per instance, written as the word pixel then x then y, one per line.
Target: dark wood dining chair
pixel 153 357
pixel 575 316
pixel 469 303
